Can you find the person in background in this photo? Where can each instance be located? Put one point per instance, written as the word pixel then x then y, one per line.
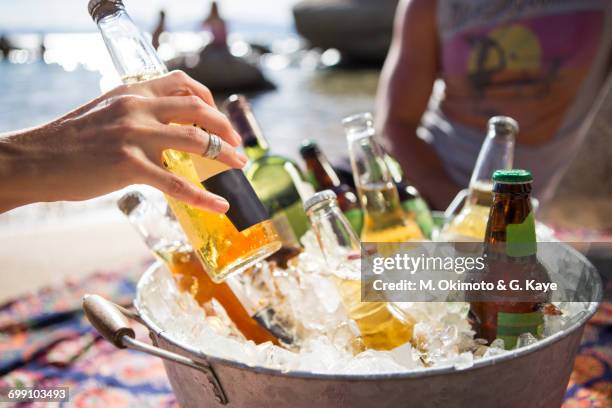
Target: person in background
pixel 159 29
pixel 6 46
pixel 41 47
pixel 216 26
pixel 543 63
pixel 117 140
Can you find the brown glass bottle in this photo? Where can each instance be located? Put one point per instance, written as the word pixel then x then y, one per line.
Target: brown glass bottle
pixel 323 177
pixel 510 251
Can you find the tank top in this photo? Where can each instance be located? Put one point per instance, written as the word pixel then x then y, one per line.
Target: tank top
pixel 542 62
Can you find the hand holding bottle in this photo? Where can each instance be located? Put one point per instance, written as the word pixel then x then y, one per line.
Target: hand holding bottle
pixel 117 140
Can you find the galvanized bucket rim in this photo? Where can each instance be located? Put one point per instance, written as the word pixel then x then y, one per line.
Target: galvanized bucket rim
pixel 421 372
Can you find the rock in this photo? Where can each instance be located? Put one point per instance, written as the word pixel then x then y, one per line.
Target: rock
pixel 220 71
pixel 360 29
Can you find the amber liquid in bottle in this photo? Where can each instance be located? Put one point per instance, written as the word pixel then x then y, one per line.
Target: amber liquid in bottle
pixel 379 328
pixel 216 241
pixel 191 277
pixel 384 220
pixel 222 249
pixel 471 222
pixel 510 254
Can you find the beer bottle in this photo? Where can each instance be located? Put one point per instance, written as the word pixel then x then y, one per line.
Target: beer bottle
pixel 270 175
pixel 323 176
pixel 224 243
pixel 384 220
pixel 497 152
pixel 165 239
pixel 510 252
pixel 379 328
pixel 411 201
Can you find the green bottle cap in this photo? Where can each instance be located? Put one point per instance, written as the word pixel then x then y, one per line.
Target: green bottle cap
pixel 512 176
pixel 308 147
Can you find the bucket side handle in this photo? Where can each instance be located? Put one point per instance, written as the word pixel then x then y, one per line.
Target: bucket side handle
pixel 110 320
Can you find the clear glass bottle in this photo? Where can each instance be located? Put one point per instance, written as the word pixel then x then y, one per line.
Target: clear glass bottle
pixel 379 328
pixel 384 219
pixel 269 174
pixel 496 153
pixel 224 243
pixel 166 240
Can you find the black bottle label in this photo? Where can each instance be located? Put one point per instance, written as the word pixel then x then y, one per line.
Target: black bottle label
pixel 245 208
pixel 268 319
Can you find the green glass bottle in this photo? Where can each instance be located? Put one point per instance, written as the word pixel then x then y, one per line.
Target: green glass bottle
pixel 411 201
pixel 270 175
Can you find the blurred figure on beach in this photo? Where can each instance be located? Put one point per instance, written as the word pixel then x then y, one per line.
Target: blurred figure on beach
pixel 215 24
pixel 215 66
pixel 5 46
pixel 159 29
pixel 546 64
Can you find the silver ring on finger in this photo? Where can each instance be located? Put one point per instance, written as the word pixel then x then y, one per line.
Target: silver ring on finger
pixel 214 146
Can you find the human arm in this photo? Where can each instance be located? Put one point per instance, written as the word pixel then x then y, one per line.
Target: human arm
pixel 406 83
pixel 114 141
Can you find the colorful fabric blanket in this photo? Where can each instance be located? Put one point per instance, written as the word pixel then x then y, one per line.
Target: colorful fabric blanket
pixel 46 341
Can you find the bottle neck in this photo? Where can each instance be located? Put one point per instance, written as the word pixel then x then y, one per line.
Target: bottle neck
pixel 253 140
pixel 160 233
pixel 321 170
pixel 336 237
pixel 377 192
pixel 132 54
pixel 496 153
pixel 367 160
pixel 511 225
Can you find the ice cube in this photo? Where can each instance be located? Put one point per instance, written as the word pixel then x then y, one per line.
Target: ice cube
pixel 463 361
pixel 319 355
pixel 407 356
pixel 498 343
pixel 276 357
pixel 494 351
pixel 372 362
pixel 525 339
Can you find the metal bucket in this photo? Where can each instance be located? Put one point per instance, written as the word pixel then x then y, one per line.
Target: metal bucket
pixel 533 376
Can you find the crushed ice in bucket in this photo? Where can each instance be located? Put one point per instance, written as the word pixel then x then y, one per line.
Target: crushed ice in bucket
pixel 442 332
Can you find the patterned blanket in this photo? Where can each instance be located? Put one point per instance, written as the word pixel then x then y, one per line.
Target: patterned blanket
pixel 46 341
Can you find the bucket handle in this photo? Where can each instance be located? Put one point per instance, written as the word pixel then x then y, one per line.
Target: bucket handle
pixel 110 320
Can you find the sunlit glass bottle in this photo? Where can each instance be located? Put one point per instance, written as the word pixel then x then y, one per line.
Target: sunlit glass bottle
pixel 384 218
pixel 497 152
pixel 165 239
pixel 271 175
pixel 379 328
pixel 225 244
